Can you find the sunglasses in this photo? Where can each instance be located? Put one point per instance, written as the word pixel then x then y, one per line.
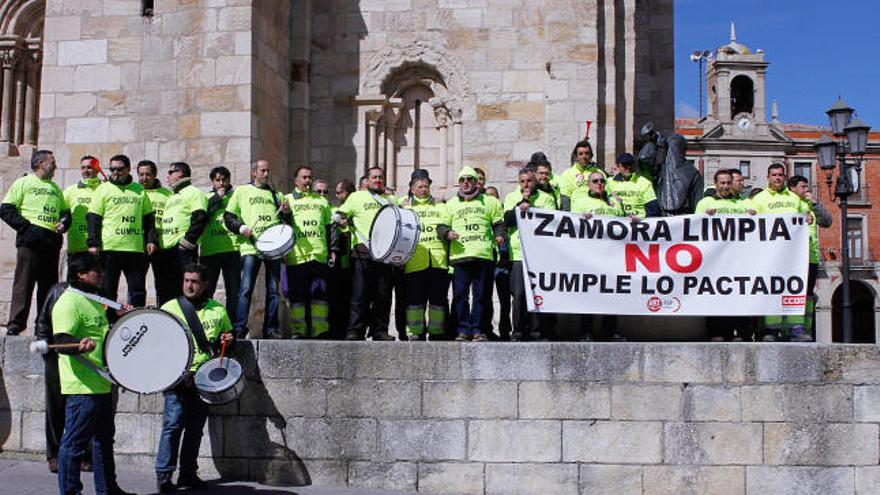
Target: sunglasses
pixel 118 169
pixel 597 181
pixel 173 171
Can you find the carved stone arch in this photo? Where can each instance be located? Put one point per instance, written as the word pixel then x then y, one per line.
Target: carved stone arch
pixel 23 18
pixel 428 54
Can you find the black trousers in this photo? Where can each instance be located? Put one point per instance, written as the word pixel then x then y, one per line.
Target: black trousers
pixel 55 406
pixel 398 277
pixel 371 286
pixel 33 266
pixel 229 264
pixel 526 326
pixel 133 265
pixel 503 289
pixel 163 275
pixel 339 288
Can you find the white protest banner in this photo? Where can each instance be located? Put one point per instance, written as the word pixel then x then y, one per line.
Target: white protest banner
pixel 685 265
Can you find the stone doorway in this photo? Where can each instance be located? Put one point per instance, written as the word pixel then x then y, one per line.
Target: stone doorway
pixel 863 313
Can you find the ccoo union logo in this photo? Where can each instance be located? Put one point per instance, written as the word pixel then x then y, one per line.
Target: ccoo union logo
pixel 539 301
pixel 794 301
pixel 671 304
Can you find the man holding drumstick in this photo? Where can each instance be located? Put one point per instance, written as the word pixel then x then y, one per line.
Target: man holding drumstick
pixel 371 280
pixel 184 414
pixel 252 209
pixel 79 320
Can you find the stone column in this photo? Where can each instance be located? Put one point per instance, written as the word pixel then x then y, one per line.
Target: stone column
pixel 8 59
pixel 373 118
pixel 392 115
pixel 20 89
pixel 458 139
pixel 441 116
pixel 30 105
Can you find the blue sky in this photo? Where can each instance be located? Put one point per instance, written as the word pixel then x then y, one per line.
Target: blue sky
pixel 816 49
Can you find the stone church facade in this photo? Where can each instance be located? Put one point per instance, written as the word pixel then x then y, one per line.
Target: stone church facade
pixel 342 85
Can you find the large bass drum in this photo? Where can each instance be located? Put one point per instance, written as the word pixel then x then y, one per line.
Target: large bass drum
pixel 275 242
pixel 219 381
pixel 148 350
pixel 394 235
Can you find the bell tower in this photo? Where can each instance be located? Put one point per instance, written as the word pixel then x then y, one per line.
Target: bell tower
pixel 735 85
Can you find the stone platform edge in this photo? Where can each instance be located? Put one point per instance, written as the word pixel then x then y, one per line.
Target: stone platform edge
pixel 640 418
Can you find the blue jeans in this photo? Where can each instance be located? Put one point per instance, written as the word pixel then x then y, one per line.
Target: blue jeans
pixel 250 267
pixel 472 276
pixel 87 418
pixel 184 415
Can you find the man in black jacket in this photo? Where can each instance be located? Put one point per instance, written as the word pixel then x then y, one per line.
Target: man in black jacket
pixel 55 402
pixel 35 208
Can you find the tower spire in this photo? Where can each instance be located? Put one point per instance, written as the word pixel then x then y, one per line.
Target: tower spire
pixel 732 32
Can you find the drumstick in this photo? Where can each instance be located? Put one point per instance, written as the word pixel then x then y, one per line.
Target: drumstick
pixel 223 348
pixel 42 347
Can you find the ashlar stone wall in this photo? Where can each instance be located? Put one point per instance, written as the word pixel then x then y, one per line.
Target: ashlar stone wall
pixel 203 81
pixel 174 86
pixel 520 418
pixel 516 76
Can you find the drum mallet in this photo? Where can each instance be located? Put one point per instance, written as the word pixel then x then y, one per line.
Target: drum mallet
pixel 223 348
pixel 42 347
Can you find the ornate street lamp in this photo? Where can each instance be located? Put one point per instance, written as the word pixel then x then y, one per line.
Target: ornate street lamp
pixel 853 139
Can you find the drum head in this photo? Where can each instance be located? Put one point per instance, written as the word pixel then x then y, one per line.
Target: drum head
pixel 274 237
pixel 148 350
pixel 212 377
pixel 383 233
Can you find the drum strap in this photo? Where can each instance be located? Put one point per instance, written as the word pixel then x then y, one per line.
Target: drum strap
pixel 94 297
pixel 195 326
pixel 88 364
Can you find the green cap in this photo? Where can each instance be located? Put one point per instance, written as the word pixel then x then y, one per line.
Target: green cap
pixel 467 172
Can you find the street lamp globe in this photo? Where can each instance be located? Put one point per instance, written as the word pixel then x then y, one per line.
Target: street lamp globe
pixel 857 136
pixel 825 150
pixel 839 114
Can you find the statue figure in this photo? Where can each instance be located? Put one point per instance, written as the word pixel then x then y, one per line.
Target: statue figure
pixel 677 184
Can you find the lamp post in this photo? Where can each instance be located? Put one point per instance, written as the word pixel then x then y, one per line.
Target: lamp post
pixel 699 56
pixel 851 139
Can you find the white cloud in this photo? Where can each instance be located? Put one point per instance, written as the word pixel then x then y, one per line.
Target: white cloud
pixel 685 110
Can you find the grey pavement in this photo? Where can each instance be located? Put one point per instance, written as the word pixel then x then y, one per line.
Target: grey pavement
pixel 33 478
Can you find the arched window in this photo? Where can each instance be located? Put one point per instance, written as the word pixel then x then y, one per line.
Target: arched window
pixel 21 47
pixel 742 95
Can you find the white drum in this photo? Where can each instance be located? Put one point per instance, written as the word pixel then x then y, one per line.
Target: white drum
pixel 276 241
pixel 220 381
pixel 148 350
pixel 394 235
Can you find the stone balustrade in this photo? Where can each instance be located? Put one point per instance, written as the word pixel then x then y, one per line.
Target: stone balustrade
pixel 519 418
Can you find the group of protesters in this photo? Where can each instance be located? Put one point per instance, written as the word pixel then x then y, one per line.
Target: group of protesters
pixel 334 287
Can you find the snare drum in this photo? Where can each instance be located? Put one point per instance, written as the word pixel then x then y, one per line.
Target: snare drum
pixel 220 383
pixel 394 235
pixel 276 241
pixel 148 350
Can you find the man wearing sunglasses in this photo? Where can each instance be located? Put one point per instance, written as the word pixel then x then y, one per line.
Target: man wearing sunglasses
pixel 473 225
pixel 121 226
pixel 183 222
pixel 597 202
